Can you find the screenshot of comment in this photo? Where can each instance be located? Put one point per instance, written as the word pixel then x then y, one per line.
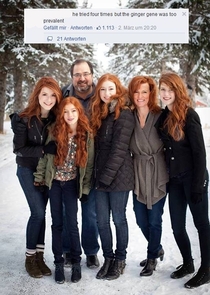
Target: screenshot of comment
pixel 106 26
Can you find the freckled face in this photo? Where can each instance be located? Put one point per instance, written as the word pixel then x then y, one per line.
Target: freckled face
pixel 108 88
pixel 71 115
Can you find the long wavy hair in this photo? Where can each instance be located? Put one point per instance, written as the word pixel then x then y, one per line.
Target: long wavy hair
pixel 33 108
pixel 175 121
pixel 134 85
pixel 62 131
pixel 99 109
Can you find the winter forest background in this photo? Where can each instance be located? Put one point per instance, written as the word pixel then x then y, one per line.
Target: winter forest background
pixel 22 64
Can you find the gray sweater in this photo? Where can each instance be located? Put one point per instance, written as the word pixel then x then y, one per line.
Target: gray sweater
pixel 150 169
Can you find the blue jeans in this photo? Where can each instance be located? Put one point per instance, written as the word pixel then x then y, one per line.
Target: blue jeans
pixel 150 223
pixel 115 202
pixel 65 193
pixel 89 234
pixel 179 198
pixel 37 201
pixel 89 225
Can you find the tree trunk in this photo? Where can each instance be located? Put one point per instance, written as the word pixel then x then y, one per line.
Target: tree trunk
pixel 163 65
pixel 162 70
pixel 189 78
pixel 3 78
pixel 191 83
pixel 18 94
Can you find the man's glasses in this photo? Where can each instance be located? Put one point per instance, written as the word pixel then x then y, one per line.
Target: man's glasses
pixel 78 75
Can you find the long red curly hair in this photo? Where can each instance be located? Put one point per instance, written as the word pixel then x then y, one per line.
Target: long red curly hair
pixel 99 109
pixel 134 85
pixel 175 121
pixel 62 131
pixel 33 108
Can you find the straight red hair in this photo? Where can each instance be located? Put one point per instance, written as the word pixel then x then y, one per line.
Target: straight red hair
pixel 176 119
pixel 99 109
pixel 33 108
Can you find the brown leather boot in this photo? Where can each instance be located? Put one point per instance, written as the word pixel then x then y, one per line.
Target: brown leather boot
pixel 105 268
pixel 160 255
pixel 41 264
pixel 149 268
pixel 116 269
pixel 32 267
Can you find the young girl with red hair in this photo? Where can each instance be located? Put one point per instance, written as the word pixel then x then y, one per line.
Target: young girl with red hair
pixel 68 176
pixel 112 122
pixel 180 129
pixel 30 127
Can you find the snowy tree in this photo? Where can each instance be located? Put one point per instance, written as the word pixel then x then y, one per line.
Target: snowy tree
pixel 28 62
pixel 192 60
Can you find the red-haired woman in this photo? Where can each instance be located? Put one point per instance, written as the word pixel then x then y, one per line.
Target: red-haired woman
pixel 151 175
pixel 112 122
pixel 68 176
pixel 30 134
pixel 180 130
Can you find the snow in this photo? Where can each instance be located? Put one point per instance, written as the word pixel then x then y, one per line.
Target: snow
pixel 14 213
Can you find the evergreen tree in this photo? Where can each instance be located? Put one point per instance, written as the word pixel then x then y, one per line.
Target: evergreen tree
pixel 28 62
pixel 192 59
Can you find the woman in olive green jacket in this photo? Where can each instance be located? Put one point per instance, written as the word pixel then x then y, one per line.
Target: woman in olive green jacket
pixel 68 176
pixel 46 169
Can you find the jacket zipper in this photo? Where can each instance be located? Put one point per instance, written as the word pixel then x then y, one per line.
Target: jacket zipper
pixel 41 134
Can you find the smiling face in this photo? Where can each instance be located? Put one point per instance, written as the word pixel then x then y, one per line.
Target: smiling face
pixel 71 115
pixel 167 95
pixel 47 99
pixel 107 89
pixel 82 78
pixel 141 96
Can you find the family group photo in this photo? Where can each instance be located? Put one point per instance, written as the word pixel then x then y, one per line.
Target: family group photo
pixel 105 162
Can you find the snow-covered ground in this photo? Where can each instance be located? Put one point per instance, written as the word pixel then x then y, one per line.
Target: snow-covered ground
pixel 14 214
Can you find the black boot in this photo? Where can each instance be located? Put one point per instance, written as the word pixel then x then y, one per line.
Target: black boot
pixel 76 272
pixel 92 261
pixel 202 277
pixel 183 270
pixel 59 273
pixel 149 267
pixel 116 269
pixel 104 269
pixel 160 255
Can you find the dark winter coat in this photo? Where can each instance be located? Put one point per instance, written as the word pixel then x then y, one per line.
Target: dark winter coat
pixel 28 141
pixel 113 162
pixel 187 154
